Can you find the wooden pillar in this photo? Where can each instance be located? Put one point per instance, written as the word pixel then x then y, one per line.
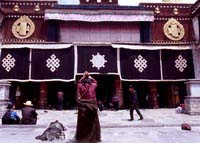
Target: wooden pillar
pixel 43 95
pixel 173 96
pixel 118 91
pixel 153 95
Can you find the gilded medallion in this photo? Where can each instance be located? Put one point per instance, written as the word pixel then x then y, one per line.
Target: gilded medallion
pixel 174 30
pixel 23 27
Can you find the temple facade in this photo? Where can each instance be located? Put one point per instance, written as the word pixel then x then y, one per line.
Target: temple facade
pixel 46 47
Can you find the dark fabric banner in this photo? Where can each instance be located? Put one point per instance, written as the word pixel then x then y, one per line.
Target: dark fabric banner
pixel 52 64
pixel 140 64
pixel 97 59
pixel 14 64
pixel 177 64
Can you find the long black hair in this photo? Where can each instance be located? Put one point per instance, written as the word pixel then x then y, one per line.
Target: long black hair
pixel 86 80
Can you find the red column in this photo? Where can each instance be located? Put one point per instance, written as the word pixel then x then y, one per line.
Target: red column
pixel 153 95
pixel 118 91
pixel 43 95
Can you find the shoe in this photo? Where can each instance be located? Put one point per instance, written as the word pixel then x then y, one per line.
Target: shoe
pixel 130 120
pixel 141 118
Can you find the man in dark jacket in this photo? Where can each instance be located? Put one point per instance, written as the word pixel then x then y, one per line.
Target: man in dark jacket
pixel 29 115
pixel 133 103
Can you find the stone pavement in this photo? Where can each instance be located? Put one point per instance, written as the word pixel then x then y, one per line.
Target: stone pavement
pixel 158 126
pixel 109 135
pixel 116 119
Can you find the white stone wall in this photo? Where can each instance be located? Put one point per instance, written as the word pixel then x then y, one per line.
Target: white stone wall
pixel 196 27
pixel 192 106
pixel 196 61
pixel 192 101
pixel 4 96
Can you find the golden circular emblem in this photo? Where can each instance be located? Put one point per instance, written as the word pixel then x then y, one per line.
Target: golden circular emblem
pixel 23 27
pixel 174 30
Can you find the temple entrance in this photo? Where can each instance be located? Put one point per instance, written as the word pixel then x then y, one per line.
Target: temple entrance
pixel 20 92
pixel 150 94
pixel 171 94
pixel 156 94
pixel 69 94
pixel 106 88
pixel 142 91
pixel 43 94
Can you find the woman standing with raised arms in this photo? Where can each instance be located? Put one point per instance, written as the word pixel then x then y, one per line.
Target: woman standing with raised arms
pixel 88 126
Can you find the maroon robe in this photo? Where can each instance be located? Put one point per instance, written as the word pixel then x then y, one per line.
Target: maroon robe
pixel 88 126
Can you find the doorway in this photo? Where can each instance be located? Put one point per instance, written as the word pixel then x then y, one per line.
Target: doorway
pixel 156 94
pixel 105 88
pixel 20 92
pixel 69 94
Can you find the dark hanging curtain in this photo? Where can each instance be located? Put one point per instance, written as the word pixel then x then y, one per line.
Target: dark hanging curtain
pixel 52 31
pixel 59 63
pixel 145 30
pixel 177 64
pixel 140 64
pixel 99 59
pixel 52 64
pixel 14 64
